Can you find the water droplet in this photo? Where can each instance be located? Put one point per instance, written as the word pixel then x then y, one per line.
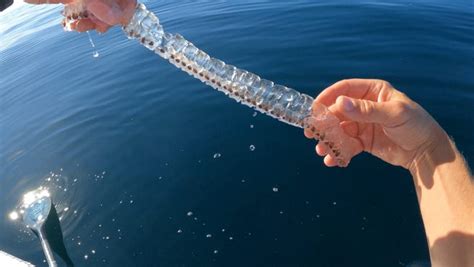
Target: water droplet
pixel 190 213
pixel 217 155
pixel 251 126
pixel 216 251
pixel 223 230
pixel 281 212
pixel 254 114
pixel 179 231
pixel 86 257
pixel 243 180
pixel 334 203
pixel 252 148
pixel 95 53
pixel 131 201
pixel 275 189
pixel 93 251
pixel 231 238
pixel 107 237
pixel 208 235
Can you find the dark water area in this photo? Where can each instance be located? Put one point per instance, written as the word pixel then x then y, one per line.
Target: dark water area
pixel 149 167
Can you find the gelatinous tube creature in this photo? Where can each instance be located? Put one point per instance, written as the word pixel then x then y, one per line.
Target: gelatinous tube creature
pixel 280 102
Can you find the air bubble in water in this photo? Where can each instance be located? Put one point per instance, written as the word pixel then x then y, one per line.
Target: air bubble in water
pixel 208 235
pixel 275 189
pixel 217 155
pixel 252 148
pixel 190 213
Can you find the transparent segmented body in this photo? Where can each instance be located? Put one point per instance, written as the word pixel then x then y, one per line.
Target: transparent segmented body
pixel 278 101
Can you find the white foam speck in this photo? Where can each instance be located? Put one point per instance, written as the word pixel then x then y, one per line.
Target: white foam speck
pixel 13 215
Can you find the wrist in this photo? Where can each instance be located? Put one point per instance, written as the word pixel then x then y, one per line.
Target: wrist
pixel 436 151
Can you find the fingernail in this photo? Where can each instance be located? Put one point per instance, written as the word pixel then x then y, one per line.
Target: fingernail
pixel 347 104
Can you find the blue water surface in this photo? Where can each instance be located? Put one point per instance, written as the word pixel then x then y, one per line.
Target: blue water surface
pixel 149 167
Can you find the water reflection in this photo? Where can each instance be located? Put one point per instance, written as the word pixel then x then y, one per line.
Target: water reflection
pixel 39 214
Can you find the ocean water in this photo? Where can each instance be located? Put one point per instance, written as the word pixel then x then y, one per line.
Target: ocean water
pixel 149 167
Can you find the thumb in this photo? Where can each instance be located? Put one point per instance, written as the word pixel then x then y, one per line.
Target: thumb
pixel 390 113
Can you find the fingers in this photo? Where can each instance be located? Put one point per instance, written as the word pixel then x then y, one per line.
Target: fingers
pixel 101 26
pixel 83 25
pixel 109 14
pixel 323 151
pixel 330 161
pixel 356 88
pixel 388 114
pixel 308 133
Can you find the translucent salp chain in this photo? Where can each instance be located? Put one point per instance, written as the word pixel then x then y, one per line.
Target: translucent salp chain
pixel 278 101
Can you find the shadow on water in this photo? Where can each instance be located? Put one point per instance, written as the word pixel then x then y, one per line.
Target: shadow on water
pixel 54 235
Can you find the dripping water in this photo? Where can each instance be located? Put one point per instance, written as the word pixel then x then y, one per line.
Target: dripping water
pixel 95 53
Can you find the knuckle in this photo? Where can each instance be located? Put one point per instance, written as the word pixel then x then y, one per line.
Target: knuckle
pixel 400 108
pixel 367 108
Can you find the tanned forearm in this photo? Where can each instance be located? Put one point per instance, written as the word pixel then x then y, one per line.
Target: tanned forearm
pixel 445 191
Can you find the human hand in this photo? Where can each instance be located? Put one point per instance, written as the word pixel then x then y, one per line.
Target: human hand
pixel 385 121
pixel 84 15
